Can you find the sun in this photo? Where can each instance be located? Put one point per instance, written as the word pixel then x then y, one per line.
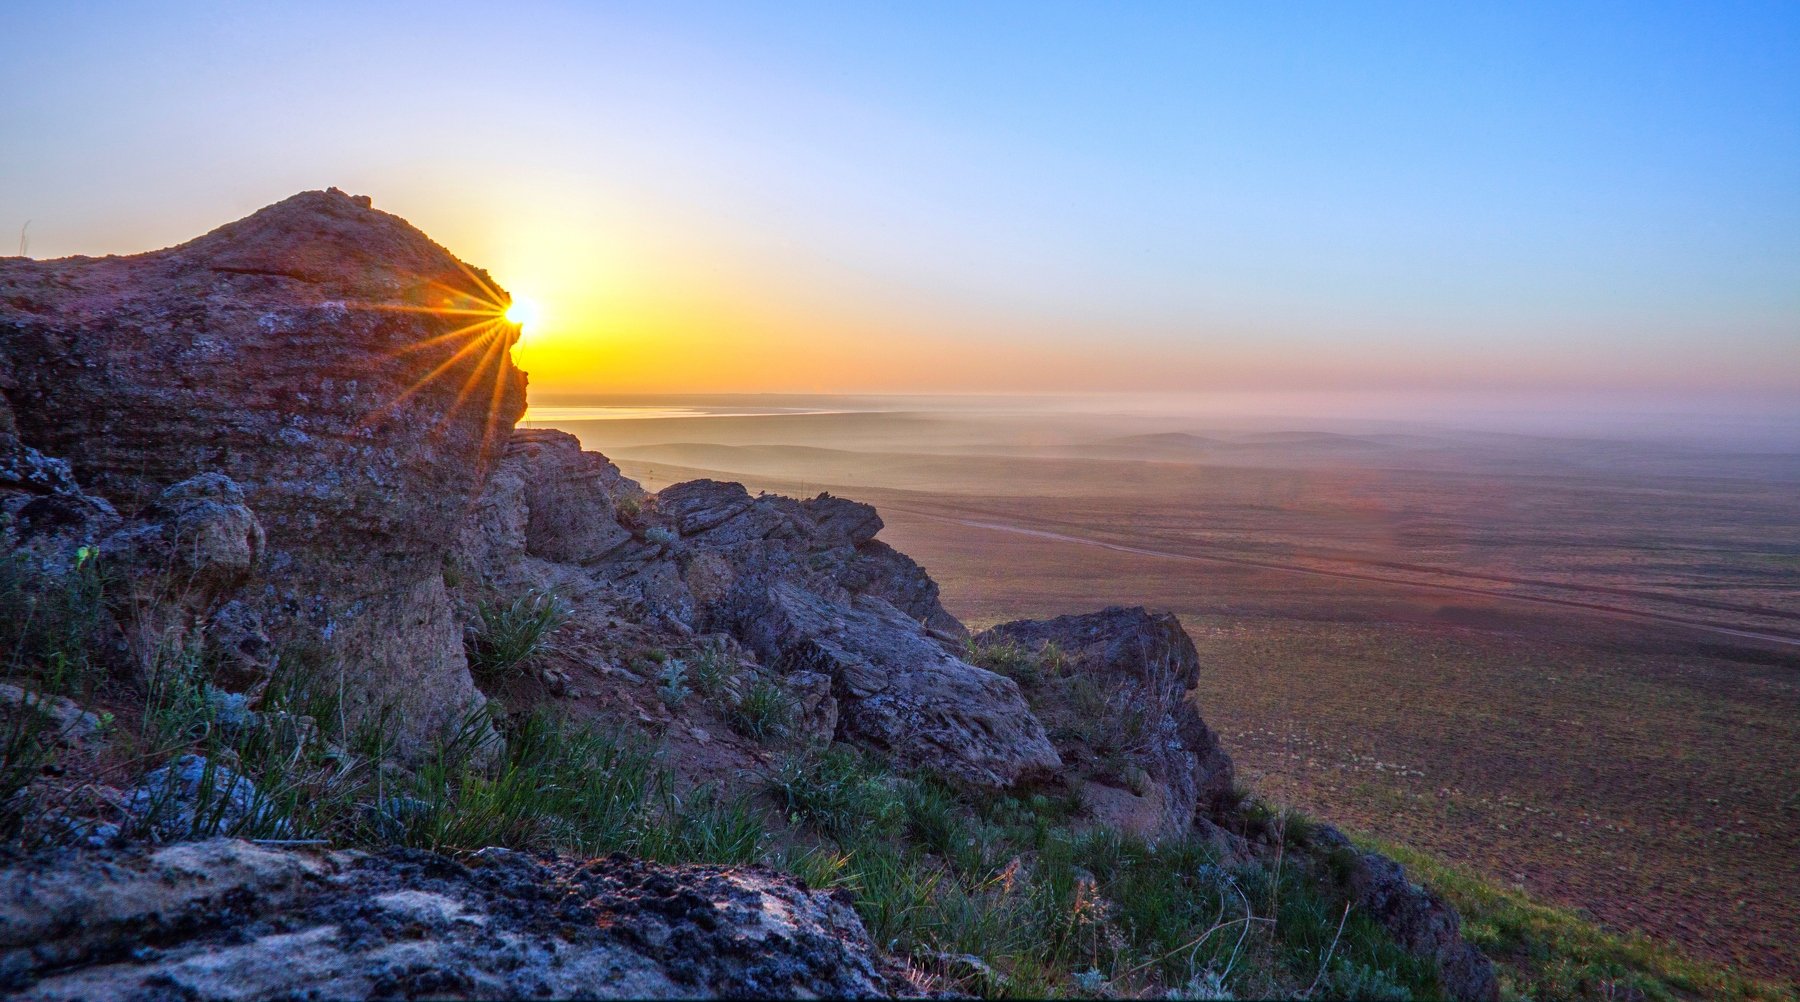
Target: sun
pixel 522 312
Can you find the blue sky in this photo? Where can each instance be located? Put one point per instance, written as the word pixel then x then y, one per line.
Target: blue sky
pixel 1059 196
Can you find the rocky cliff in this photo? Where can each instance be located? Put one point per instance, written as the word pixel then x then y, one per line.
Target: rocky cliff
pixel 295 434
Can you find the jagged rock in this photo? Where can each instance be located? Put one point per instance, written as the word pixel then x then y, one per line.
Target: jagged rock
pixel 900 692
pixel 773 572
pixel 815 709
pixel 298 353
pixel 1122 713
pixel 42 508
pixel 570 497
pixel 699 505
pixel 842 520
pixel 195 798
pixel 231 920
pixel 875 568
pixel 1417 919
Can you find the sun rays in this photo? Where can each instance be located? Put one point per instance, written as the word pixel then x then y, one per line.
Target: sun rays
pixel 480 346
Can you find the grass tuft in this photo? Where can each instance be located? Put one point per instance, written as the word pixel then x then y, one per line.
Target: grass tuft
pixel 512 633
pixel 763 712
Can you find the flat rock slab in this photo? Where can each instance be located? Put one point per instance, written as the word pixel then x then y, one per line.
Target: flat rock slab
pixel 228 919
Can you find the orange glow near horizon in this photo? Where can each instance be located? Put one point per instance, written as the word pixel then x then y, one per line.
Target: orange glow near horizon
pixel 626 294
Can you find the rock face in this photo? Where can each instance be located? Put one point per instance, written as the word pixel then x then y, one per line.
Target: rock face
pixel 190 549
pixel 230 920
pixel 350 375
pixel 901 693
pixel 803 585
pixel 1134 673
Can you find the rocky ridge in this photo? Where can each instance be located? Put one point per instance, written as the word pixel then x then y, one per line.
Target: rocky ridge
pixel 289 432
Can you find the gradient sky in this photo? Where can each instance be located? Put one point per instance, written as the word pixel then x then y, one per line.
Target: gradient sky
pixel 962 197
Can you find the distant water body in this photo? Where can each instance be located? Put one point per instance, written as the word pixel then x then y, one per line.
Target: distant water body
pixel 556 415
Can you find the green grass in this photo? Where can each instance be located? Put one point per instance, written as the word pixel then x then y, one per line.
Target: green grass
pixel 48 621
pixel 998 894
pixel 1545 952
pixel 512 633
pixel 47 627
pixel 944 875
pixel 1016 661
pixel 711 670
pixel 835 791
pixel 762 712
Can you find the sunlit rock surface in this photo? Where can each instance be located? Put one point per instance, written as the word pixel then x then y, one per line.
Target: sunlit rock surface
pixel 330 359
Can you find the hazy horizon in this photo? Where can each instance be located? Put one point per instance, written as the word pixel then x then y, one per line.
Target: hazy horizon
pixel 1735 425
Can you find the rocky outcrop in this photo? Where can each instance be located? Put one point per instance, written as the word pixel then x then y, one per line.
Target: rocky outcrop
pixel 230 920
pixel 1418 920
pixel 350 375
pixel 176 565
pixel 901 693
pixel 1117 695
pixel 570 500
pixel 803 585
pixel 298 429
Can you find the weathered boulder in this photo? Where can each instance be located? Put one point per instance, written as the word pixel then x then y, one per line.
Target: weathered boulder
pixel 230 920
pixel 699 506
pixel 1120 708
pixel 855 625
pixel 347 372
pixel 900 692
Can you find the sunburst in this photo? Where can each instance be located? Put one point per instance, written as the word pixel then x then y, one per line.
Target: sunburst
pixel 494 323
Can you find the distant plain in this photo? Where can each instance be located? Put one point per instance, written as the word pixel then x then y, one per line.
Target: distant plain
pixel 1571 663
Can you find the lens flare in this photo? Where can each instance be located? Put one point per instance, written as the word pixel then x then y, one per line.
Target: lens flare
pixel 495 323
pixel 522 313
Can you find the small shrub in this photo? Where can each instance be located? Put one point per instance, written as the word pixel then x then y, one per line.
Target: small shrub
pixel 47 622
pixel 836 793
pixel 660 535
pixel 705 829
pixel 1004 657
pixel 671 683
pixel 177 711
pixel 819 867
pixel 512 633
pixel 934 815
pixel 557 786
pixel 763 712
pixel 712 669
pixel 1017 661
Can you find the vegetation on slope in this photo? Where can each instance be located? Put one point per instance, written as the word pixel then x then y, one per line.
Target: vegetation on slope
pixel 996 895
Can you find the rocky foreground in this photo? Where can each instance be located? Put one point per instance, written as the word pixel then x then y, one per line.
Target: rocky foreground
pixel 296 433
